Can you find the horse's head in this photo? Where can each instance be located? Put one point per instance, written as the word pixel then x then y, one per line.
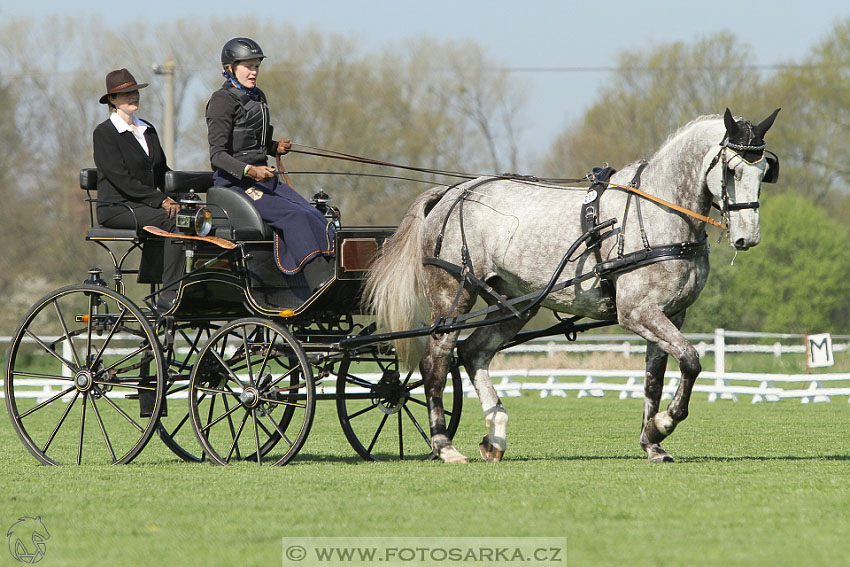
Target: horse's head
pixel 736 183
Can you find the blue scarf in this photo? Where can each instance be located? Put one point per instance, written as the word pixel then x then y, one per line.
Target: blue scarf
pixel 253 92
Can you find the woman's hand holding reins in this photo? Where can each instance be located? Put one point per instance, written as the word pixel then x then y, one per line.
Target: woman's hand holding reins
pixel 259 172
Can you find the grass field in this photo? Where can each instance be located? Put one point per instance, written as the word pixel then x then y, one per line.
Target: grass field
pixel 763 484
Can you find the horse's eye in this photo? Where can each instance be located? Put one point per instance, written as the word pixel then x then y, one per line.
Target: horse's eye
pixel 739 173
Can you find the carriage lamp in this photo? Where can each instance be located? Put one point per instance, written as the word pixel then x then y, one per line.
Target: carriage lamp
pixel 321 201
pixel 193 218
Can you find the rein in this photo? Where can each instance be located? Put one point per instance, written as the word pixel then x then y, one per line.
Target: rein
pixel 670 205
pixel 320 152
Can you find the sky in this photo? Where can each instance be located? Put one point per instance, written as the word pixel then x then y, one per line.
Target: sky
pixel 565 49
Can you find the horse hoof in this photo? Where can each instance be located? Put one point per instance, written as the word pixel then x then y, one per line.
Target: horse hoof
pixel 452 455
pixel 489 452
pixel 659 455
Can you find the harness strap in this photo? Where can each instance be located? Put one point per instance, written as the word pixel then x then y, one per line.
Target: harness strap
pixel 631 261
pixel 640 258
pixel 462 273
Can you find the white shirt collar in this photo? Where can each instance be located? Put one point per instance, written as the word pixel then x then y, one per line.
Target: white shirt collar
pixel 122 126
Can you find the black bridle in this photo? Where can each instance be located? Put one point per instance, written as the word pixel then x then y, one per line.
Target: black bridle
pixel 741 150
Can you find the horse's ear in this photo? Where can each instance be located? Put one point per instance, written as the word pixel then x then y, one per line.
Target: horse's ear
pixel 731 125
pixel 762 128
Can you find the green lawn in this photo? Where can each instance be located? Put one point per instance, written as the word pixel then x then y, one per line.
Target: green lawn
pixel 764 484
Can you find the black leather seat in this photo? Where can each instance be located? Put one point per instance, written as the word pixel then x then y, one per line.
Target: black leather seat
pixel 234 215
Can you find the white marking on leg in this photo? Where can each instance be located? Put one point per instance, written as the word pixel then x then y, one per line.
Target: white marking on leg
pixel 496 419
pixel 451 455
pixel 664 423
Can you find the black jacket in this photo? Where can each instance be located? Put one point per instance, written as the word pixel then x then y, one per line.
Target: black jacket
pixel 124 172
pixel 237 135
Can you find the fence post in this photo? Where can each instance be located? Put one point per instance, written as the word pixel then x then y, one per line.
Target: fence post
pixel 720 368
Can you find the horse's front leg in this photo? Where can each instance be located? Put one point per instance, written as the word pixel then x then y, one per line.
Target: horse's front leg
pixel 664 335
pixel 434 367
pixel 653 385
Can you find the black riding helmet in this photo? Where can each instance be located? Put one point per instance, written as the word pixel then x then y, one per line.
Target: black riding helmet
pixel 240 49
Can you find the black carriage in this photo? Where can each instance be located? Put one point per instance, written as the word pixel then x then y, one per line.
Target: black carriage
pixel 236 365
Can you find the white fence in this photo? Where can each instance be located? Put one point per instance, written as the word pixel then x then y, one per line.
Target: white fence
pixel 718 384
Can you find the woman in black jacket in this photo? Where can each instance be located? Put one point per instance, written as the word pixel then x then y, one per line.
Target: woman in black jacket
pixel 131 167
pixel 240 137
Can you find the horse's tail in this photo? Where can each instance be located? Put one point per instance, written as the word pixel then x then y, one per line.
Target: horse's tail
pixel 395 288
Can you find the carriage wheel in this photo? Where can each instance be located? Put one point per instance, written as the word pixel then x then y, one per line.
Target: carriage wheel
pixel 252 395
pixel 84 378
pixel 181 345
pixel 384 415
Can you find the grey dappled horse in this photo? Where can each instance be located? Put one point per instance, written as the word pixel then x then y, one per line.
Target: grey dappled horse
pixel 516 233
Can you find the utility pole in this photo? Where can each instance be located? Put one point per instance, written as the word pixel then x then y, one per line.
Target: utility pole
pixel 167 70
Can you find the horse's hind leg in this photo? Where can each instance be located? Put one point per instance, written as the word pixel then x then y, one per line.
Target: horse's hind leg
pixel 434 367
pixel 475 353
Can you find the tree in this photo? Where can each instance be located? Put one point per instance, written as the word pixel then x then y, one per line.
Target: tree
pixel 813 134
pixel 796 280
pixel 650 96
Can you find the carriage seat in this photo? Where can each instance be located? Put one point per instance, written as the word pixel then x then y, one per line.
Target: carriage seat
pixel 234 215
pixel 88 183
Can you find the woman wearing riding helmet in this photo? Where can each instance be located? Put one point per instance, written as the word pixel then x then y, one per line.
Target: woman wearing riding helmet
pixel 240 138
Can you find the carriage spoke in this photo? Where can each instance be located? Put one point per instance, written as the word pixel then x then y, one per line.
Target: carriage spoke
pixel 139 350
pixel 61 421
pixel 277 381
pixel 130 385
pixel 102 428
pixel 177 389
pixel 108 338
pixel 279 430
pixel 49 350
pixel 415 424
pixel 227 367
pixel 245 346
pixel 264 428
pixel 82 429
pixel 65 331
pixel 46 402
pixel 359 382
pixel 39 375
pixel 226 414
pixel 266 355
pixel 256 436
pixel 179 425
pixel 362 411
pixel 120 411
pixel 233 433
pixel 400 439
pixel 378 432
pixel 236 436
pixel 282 403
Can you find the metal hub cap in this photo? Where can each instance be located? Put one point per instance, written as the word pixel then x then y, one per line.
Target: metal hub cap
pixel 83 380
pixel 250 397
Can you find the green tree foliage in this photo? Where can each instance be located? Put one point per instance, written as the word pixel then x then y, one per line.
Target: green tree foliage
pixel 652 94
pixel 813 134
pixel 796 280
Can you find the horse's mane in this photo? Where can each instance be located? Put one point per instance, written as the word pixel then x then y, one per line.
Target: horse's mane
pixel 682 130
